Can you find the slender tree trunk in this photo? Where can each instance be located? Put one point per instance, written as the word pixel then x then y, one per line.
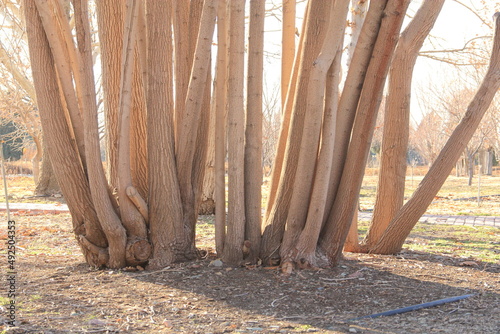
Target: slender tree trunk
pixel 191 134
pixel 350 95
pixel 346 201
pixel 138 129
pixel 277 167
pixel 235 237
pixel 110 18
pixel 108 218
pixel 63 155
pixel 165 208
pixel 220 128
pixel 131 217
pixel 317 17
pixel 200 155
pixel 287 47
pixel 358 13
pixel 203 146
pixel 253 131
pixel 309 146
pixel 470 166
pixel 392 174
pixel 308 240
pixel 207 205
pixel 393 238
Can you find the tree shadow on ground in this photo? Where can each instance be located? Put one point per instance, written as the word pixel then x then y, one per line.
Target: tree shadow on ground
pixel 325 299
pixel 199 297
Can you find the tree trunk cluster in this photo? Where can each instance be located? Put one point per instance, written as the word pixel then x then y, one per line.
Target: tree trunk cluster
pixel 175 136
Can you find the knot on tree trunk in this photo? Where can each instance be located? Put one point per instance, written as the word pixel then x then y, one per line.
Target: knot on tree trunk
pixel 138 252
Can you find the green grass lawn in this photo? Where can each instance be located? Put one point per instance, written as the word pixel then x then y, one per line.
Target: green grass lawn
pixel 480 243
pixel 456 197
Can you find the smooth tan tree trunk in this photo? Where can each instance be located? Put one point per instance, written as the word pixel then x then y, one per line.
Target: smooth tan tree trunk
pixel 220 127
pixel 285 126
pixel 350 95
pixel 317 17
pixel 165 209
pixel 138 128
pixel 309 146
pixel 69 171
pixel 131 217
pixel 253 131
pixel 110 18
pixel 399 228
pixel 86 91
pixel 287 46
pixel 345 204
pixel 191 132
pixel 358 14
pixel 393 162
pixel 305 249
pixel 235 235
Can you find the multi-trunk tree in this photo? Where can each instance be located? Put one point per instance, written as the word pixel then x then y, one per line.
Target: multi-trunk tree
pixel 157 78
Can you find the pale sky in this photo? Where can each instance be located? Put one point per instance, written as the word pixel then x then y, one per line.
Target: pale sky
pixel 455 26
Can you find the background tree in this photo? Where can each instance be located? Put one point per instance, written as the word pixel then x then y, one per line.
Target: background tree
pixel 393 238
pixel 18 94
pixel 392 173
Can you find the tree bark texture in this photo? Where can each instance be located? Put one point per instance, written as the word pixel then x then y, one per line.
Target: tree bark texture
pixel 235 236
pixel 110 18
pixel 317 17
pixel 399 228
pixel 392 174
pixel 69 171
pixel 346 200
pixel 253 131
pixel 287 46
pixel 163 111
pixel 220 127
pixel 168 235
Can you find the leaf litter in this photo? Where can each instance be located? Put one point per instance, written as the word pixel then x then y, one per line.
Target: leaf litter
pixel 59 293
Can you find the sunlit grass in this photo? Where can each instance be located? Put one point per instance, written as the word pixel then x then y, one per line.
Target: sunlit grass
pixel 18 187
pixel 472 242
pixel 456 197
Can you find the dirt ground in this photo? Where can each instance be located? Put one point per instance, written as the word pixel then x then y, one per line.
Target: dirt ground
pixel 59 293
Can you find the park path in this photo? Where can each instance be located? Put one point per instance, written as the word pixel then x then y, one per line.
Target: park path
pixel 449 219
pixel 34 208
pixel 39 208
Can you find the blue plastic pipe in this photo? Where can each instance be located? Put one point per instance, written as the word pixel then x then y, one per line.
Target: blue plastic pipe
pixel 414 307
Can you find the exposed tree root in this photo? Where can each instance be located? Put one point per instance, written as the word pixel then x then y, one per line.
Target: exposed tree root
pixel 139 202
pixel 94 255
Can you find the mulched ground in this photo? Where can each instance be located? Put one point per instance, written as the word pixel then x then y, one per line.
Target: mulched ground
pixel 58 293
